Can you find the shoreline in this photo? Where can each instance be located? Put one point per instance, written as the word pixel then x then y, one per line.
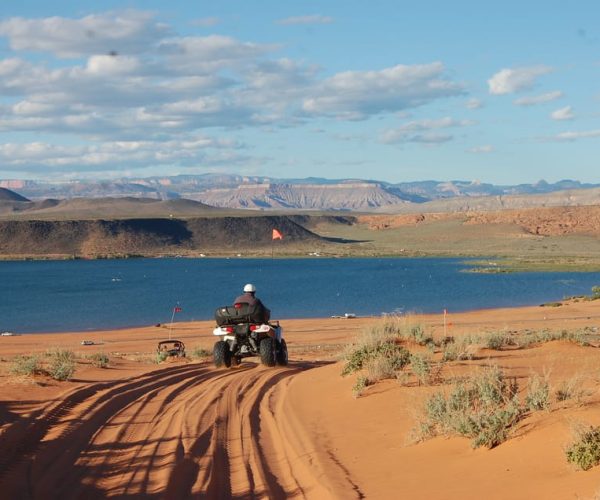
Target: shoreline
pixel 548 311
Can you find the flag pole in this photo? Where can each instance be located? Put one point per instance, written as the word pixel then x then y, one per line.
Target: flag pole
pixel 171 324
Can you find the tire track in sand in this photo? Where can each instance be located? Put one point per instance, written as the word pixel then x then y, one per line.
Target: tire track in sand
pixel 180 432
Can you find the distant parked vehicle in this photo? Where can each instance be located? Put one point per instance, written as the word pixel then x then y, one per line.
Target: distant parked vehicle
pixel 171 348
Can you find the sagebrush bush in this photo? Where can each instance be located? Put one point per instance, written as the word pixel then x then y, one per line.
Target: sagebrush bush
pixel 420 365
pixel 100 360
pixel 497 340
pixel 570 389
pixel 200 352
pixel 484 408
pixel 458 350
pixel 25 365
pixel 360 385
pixel 61 364
pixel 375 342
pixel 381 368
pixel 538 393
pixel 584 452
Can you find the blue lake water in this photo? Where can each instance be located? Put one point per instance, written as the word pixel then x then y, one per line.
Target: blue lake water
pixel 50 296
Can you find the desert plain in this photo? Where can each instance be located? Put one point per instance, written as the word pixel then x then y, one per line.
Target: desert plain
pixel 185 429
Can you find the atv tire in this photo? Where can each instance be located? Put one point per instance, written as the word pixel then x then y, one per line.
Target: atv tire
pixel 282 353
pixel 221 354
pixel 267 352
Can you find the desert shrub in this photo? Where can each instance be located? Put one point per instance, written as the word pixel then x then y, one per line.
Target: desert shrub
pixel 160 357
pixel 357 359
pixel 360 385
pixel 538 393
pixel 200 352
pixel 419 336
pixel 403 327
pixel 375 342
pixel 595 292
pixel 569 389
pixel 457 350
pixel 61 364
pixel 497 340
pixel 420 365
pixel 584 452
pixel 484 408
pixel 25 365
pixel 99 360
pixel 380 368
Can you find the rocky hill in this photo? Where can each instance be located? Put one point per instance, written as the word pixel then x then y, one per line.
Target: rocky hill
pixel 150 237
pixel 6 195
pixel 264 193
pixel 347 196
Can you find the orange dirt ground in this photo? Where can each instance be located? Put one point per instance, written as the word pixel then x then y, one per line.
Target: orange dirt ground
pixel 184 429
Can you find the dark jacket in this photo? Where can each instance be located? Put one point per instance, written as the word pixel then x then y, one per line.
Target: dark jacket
pixel 252 300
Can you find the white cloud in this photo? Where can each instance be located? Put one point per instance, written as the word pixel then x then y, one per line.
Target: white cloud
pixel 484 149
pixel 140 83
pixel 474 103
pixel 573 136
pixel 124 32
pixel 313 19
pixel 561 114
pixel 420 131
pixel 538 99
pixel 509 81
pixel 358 94
pixel 186 152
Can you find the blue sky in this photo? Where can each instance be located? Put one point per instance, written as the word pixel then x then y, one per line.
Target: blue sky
pixel 508 93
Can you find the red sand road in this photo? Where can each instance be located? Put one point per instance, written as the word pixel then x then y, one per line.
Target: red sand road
pixel 186 429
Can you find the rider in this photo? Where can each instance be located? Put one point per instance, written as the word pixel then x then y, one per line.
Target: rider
pixel 249 297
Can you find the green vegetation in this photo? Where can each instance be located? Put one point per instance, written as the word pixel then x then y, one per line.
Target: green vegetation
pixel 99 360
pixel 200 353
pixel 538 393
pixel 376 342
pixel 25 365
pixel 484 408
pixel 61 364
pixel 584 452
pixel 160 357
pixel 361 384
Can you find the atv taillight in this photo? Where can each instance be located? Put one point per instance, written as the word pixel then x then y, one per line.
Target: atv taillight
pixel 229 329
pixel 253 327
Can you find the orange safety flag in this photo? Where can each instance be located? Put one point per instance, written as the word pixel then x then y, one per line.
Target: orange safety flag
pixel 277 235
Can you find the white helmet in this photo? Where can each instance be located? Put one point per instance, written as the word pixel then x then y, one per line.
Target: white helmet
pixel 249 288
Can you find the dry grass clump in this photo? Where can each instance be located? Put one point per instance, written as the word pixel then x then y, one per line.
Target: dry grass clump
pixel 570 389
pixel 26 366
pixel 99 360
pixel 56 363
pixel 484 408
pixel 60 363
pixel 375 342
pixel 200 353
pixel 538 393
pixel 584 451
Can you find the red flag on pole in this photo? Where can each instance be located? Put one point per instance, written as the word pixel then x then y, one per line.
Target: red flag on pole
pixel 277 235
pixel 177 309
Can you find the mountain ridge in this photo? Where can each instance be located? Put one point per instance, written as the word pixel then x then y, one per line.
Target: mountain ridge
pixel 266 193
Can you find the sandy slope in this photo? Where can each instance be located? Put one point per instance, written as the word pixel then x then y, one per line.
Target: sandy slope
pixel 185 429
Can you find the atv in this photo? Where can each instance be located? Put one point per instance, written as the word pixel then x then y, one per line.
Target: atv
pixel 243 334
pixel 171 348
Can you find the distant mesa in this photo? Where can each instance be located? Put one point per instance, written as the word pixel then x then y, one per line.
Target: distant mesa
pixel 8 195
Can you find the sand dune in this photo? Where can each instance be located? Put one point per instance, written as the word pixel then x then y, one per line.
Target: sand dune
pixel 185 429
